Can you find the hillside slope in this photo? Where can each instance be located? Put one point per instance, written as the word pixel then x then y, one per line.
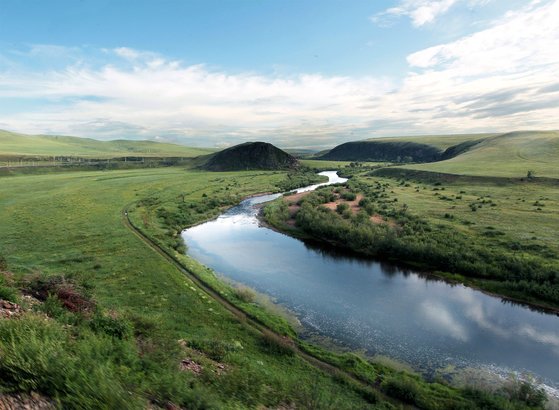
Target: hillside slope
pixel 507 155
pixel 248 156
pixel 405 149
pixel 442 142
pixel 14 145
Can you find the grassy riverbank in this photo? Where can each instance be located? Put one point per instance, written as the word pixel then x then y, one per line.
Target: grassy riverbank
pixel 70 224
pixel 123 319
pixel 494 234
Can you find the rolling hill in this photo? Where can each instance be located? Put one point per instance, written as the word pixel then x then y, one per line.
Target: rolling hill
pixel 248 156
pixel 505 155
pixel 404 149
pixel 14 146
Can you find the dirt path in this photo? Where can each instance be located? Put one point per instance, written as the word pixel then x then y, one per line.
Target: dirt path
pixel 248 320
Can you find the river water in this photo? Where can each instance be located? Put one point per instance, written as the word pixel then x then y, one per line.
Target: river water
pixel 378 307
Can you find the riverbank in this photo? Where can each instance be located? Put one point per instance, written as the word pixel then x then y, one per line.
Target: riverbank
pixel 288 227
pixel 179 347
pixel 384 228
pixel 234 234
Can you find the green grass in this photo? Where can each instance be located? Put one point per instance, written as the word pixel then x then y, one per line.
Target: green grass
pixel 441 142
pixel 319 164
pixel 149 315
pixel 491 233
pixel 508 155
pixel 71 223
pixel 14 146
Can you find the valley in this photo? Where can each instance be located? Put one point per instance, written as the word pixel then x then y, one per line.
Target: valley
pixel 171 309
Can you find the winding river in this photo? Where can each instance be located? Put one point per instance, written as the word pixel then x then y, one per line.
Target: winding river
pixel 377 307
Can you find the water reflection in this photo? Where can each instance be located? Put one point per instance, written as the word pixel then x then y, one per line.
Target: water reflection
pixel 378 306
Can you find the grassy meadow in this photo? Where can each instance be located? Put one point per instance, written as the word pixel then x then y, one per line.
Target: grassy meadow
pixel 509 155
pixel 321 165
pixel 498 234
pixel 119 325
pixel 441 142
pixel 14 147
pixel 71 224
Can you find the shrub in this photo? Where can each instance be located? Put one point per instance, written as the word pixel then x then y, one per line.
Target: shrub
pixel 244 294
pixel 7 293
pixel 52 307
pixel 349 196
pixel 278 345
pixel 71 295
pixel 526 392
pixel 214 349
pixel 402 388
pixel 341 208
pixel 111 325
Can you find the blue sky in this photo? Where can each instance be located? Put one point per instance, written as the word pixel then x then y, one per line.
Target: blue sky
pixel 297 73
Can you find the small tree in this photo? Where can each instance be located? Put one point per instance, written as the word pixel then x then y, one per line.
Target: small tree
pixel 341 208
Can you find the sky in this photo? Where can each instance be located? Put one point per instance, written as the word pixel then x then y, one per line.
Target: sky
pixel 297 73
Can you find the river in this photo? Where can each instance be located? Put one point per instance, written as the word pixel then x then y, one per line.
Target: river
pixel 378 307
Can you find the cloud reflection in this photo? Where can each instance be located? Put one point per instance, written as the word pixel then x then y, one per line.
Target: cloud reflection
pixel 441 319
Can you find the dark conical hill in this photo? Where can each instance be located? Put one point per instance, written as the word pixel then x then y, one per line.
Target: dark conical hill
pixel 250 155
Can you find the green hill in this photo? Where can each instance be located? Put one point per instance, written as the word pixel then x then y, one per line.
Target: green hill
pixel 248 156
pixel 405 149
pixel 14 146
pixel 442 142
pixel 506 155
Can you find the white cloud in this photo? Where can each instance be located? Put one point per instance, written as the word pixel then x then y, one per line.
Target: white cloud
pixel 156 96
pixel 502 78
pixel 421 12
pixel 491 80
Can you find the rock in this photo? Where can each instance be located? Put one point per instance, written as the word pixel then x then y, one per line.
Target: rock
pixel 9 310
pixel 31 401
pixel 190 366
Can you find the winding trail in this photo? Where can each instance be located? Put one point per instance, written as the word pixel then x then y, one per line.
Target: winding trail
pixel 248 320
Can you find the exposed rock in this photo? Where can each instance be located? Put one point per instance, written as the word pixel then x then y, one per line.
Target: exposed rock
pixel 189 365
pixel 31 401
pixel 28 302
pixel 9 310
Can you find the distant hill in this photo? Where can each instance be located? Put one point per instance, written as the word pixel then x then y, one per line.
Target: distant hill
pixel 507 155
pixel 250 155
pixel 14 145
pixel 404 149
pixel 383 151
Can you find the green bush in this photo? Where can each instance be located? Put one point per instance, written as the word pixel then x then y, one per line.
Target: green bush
pixel 8 293
pixel 526 392
pixel 112 326
pixel 53 307
pixel 401 387
pixel 349 196
pixel 341 208
pixel 244 294
pixel 278 345
pixel 214 349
